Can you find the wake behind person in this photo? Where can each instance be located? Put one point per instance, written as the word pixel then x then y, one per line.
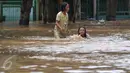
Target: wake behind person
pixel 61 27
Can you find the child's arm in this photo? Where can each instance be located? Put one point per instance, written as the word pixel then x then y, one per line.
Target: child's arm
pixel 88 36
pixel 58 25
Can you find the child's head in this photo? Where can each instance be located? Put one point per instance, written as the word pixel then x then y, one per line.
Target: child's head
pixel 82 31
pixel 65 7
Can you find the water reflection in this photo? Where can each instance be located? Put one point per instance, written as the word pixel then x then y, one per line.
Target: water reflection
pixel 100 54
pixel 36 72
pixel 78 71
pixel 114 43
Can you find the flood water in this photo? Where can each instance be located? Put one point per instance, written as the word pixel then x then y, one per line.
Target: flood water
pixel 38 54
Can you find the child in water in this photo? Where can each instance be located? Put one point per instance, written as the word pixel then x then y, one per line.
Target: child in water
pixel 61 26
pixel 82 34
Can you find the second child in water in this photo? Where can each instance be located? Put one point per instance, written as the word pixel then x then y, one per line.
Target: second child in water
pixel 82 34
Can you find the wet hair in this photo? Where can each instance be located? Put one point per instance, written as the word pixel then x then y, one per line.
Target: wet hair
pixel 63 6
pixel 85 35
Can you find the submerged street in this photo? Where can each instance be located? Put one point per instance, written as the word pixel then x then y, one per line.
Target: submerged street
pixel 32 31
pixel 108 51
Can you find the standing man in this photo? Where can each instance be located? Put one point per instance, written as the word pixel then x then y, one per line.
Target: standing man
pixel 61 26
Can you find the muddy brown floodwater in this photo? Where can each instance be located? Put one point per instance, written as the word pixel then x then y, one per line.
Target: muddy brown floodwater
pixel 34 50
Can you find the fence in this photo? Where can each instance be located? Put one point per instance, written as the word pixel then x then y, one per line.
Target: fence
pixel 86 9
pixel 122 9
pixel 101 8
pixel 10 10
